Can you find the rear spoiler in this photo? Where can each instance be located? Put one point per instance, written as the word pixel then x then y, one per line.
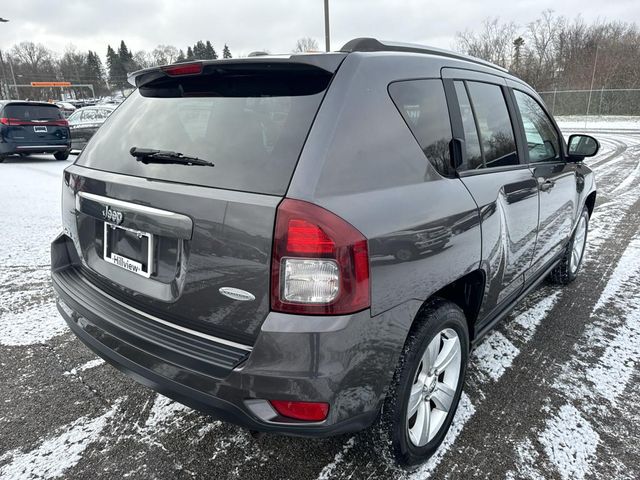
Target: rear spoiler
pixel 328 62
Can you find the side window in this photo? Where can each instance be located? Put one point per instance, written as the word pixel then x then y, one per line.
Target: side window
pixel 471 139
pixel 542 138
pixel 423 106
pixel 494 124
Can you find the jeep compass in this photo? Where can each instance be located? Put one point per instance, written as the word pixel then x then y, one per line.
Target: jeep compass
pixel 311 244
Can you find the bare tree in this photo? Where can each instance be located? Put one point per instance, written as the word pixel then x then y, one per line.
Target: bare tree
pixel 34 55
pixel 493 41
pixel 306 44
pixel 164 54
pixel 143 59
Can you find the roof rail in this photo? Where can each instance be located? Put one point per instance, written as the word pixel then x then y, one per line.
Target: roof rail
pixel 373 45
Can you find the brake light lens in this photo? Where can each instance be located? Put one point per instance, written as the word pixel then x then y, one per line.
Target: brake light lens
pixel 183 69
pixel 320 262
pixel 308 411
pixel 18 122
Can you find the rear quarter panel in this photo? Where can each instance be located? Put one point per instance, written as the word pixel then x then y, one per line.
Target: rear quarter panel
pixel 356 163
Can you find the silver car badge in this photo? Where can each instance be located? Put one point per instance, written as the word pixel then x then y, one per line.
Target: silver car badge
pixel 237 294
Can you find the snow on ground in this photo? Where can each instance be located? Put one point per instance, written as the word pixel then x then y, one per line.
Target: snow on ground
pixel 570 442
pixel 609 122
pixel 57 453
pixel 36 325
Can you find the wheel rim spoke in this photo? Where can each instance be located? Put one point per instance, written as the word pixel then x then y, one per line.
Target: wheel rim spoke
pixel 449 351
pixel 431 353
pixel 415 398
pixel 425 424
pixel 578 245
pixel 443 397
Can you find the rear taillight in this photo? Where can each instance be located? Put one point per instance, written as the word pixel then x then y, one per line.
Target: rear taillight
pixel 44 123
pixel 320 262
pixel 308 411
pixel 183 69
pixel 9 121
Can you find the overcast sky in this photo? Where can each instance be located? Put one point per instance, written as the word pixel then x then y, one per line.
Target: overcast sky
pixel 274 25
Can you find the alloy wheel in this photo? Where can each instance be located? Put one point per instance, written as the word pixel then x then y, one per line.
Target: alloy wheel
pixel 434 387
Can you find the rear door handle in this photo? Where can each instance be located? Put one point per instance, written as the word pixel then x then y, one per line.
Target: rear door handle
pixel 547 185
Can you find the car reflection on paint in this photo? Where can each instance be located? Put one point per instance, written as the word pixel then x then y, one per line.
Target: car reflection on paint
pixel 410 244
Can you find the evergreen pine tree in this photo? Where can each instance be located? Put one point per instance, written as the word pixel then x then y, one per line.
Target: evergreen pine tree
pixel 94 71
pixel 210 52
pixel 226 53
pixel 189 53
pixel 181 57
pixel 113 67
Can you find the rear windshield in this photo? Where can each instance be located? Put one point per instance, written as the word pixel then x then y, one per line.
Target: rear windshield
pixel 32 112
pixel 251 127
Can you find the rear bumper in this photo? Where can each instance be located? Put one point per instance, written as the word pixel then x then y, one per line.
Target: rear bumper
pixel 8 148
pixel 346 361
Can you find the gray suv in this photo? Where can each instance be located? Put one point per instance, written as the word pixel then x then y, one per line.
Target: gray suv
pixel 311 244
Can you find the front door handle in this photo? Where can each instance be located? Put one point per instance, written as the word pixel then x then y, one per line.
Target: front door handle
pixel 547 185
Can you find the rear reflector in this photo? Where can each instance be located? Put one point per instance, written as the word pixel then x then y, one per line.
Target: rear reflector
pixel 183 69
pixel 307 411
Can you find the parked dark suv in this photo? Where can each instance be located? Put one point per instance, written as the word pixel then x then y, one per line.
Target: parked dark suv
pixel 233 234
pixel 33 127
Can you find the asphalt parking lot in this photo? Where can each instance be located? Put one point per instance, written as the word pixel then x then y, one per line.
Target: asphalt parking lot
pixel 551 393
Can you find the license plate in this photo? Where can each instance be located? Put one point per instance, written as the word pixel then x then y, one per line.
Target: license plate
pixel 129 249
pixel 40 129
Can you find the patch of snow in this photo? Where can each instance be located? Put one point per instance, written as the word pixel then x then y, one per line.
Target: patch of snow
pixel 494 355
pixel 327 471
pixel 164 414
pixel 529 320
pixel 611 374
pixel 593 122
pixel 33 326
pixel 55 455
pixel 90 364
pixel 570 443
pixel 628 268
pixel 526 459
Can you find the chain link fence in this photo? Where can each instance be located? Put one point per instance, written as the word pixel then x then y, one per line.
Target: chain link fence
pixel 600 102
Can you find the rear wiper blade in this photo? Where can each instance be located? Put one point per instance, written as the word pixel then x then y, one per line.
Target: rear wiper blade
pixel 152 155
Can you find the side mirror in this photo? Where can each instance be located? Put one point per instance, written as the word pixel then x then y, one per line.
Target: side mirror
pixel 582 146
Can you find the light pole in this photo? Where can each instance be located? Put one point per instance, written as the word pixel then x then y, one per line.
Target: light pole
pixel 4 78
pixel 327 40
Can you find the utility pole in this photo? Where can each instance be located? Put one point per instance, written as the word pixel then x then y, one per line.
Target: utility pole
pixel 4 78
pixel 327 40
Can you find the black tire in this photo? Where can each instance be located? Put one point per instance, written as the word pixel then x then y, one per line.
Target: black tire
pixel 563 273
pixel 61 155
pixel 437 316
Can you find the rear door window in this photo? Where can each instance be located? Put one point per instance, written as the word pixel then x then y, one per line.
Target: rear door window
pixel 252 127
pixel 473 158
pixel 30 113
pixel 497 140
pixel 423 105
